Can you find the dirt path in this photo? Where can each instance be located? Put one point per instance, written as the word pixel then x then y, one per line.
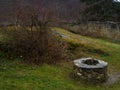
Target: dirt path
pixel 113 78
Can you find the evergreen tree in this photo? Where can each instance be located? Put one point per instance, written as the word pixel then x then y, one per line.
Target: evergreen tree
pixel 101 10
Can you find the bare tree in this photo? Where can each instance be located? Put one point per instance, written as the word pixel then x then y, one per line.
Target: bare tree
pixel 34 35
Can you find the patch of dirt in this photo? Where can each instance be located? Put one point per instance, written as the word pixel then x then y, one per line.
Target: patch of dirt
pixel 113 78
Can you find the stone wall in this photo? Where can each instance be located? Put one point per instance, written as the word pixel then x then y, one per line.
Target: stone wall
pixel 90 70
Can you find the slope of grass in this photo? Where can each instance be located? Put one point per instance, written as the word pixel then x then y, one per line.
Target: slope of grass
pixel 16 75
pixel 112 50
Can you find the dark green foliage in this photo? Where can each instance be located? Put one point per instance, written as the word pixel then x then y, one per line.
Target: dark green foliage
pixel 101 10
pixel 72 46
pixel 90 1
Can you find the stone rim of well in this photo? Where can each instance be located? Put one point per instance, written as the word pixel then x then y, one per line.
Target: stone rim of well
pixel 81 63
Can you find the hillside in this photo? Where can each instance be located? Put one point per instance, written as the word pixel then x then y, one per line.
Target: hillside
pixel 15 74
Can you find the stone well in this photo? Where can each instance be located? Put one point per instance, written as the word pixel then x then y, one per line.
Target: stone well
pixel 89 69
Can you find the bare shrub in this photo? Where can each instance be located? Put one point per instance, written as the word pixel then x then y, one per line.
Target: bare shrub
pixel 32 40
pixel 36 46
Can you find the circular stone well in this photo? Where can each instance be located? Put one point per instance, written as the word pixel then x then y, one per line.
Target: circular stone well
pixel 89 69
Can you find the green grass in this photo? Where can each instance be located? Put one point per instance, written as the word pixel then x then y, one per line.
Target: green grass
pixel 110 48
pixel 16 75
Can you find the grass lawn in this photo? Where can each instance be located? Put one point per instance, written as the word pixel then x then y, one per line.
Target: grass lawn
pixel 16 75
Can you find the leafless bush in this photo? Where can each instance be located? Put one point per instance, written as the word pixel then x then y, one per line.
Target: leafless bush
pixel 36 47
pixel 32 40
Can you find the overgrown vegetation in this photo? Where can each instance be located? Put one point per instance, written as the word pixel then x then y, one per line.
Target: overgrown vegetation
pixel 31 39
pixel 37 46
